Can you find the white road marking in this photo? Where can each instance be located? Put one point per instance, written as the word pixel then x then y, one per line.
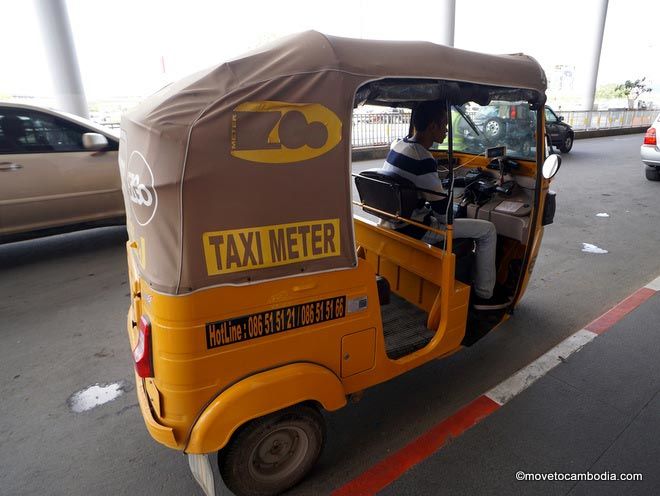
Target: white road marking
pixel 526 376
pixel 603 214
pixel 589 248
pixel 654 284
pixel 95 395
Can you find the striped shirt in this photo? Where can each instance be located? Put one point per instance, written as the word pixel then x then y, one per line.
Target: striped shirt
pixel 412 161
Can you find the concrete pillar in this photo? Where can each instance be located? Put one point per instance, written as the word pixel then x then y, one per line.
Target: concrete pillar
pixel 62 58
pixel 447 18
pixel 594 44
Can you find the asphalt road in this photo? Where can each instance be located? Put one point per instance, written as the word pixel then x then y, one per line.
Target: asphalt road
pixel 63 302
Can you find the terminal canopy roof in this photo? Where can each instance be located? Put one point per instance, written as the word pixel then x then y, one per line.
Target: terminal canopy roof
pixel 241 173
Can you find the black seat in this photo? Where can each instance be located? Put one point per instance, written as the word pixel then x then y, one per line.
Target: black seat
pixel 396 195
pixel 388 192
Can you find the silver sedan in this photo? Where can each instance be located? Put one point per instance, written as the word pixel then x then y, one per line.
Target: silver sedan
pixel 58 172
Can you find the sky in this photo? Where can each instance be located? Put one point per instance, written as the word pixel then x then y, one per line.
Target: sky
pixel 134 47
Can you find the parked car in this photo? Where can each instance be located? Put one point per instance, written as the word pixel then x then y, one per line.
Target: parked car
pixel 498 123
pixel 513 122
pixel 560 133
pixel 58 172
pixel 506 120
pixel 651 153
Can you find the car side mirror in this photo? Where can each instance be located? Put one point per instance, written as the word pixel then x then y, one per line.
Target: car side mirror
pixel 551 166
pixel 94 141
pixel 560 118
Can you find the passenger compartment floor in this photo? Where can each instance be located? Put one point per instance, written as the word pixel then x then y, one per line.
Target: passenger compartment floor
pixel 404 327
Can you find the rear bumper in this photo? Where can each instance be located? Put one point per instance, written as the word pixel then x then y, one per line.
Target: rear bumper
pixel 162 434
pixel 650 155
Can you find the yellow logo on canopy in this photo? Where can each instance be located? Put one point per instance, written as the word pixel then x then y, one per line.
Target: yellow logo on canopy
pixel 280 132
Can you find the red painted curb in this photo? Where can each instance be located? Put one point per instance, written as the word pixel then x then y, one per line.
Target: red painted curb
pixel 614 315
pixel 391 468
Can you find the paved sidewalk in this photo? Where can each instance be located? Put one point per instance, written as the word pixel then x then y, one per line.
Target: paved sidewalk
pixel 597 412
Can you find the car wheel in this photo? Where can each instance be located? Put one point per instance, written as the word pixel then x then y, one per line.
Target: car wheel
pixel 271 454
pixel 567 144
pixel 494 128
pixel 652 174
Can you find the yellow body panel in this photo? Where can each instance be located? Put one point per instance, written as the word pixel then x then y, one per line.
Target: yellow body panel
pixel 159 432
pixel 261 394
pixel 196 384
pixel 207 386
pixel 358 352
pixel 536 241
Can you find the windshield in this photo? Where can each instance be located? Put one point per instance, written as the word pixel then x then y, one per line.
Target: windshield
pixel 500 123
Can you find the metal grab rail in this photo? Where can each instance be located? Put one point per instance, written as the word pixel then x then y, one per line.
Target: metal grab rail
pixel 592 120
pixel 383 128
pixel 379 129
pixel 441 232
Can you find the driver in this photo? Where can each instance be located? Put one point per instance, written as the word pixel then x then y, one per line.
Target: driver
pixel 411 159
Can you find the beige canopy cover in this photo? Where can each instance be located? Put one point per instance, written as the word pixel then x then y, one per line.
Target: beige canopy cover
pixel 241 173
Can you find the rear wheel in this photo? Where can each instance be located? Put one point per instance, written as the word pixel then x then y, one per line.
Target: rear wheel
pixel 273 453
pixel 566 144
pixel 652 174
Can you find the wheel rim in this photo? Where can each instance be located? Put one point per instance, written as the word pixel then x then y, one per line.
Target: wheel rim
pixel 278 454
pixel 568 142
pixel 493 128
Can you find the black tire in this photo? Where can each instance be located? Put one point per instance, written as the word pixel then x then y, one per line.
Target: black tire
pixel 567 143
pixel 494 128
pixel 652 174
pixel 255 463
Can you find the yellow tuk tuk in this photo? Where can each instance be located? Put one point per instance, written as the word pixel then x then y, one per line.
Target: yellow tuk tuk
pixel 258 297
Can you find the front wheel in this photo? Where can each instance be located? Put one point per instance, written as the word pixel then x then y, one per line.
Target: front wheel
pixel 273 453
pixel 566 144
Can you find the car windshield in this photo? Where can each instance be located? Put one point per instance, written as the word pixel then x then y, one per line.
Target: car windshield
pixel 500 123
pixel 550 116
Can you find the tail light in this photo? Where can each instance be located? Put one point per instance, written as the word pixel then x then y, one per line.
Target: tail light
pixel 513 112
pixel 649 137
pixel 142 351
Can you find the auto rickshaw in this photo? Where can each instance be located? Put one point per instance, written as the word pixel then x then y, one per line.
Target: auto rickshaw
pixel 263 289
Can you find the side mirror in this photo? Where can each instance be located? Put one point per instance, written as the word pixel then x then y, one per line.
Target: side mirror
pixel 560 118
pixel 551 166
pixel 94 141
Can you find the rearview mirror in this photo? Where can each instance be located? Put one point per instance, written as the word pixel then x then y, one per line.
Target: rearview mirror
pixel 94 141
pixel 551 166
pixel 560 118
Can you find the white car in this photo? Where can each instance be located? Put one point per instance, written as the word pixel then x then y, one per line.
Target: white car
pixel 650 151
pixel 58 172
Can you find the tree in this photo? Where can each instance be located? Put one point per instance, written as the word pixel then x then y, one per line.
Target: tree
pixel 607 91
pixel 632 90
